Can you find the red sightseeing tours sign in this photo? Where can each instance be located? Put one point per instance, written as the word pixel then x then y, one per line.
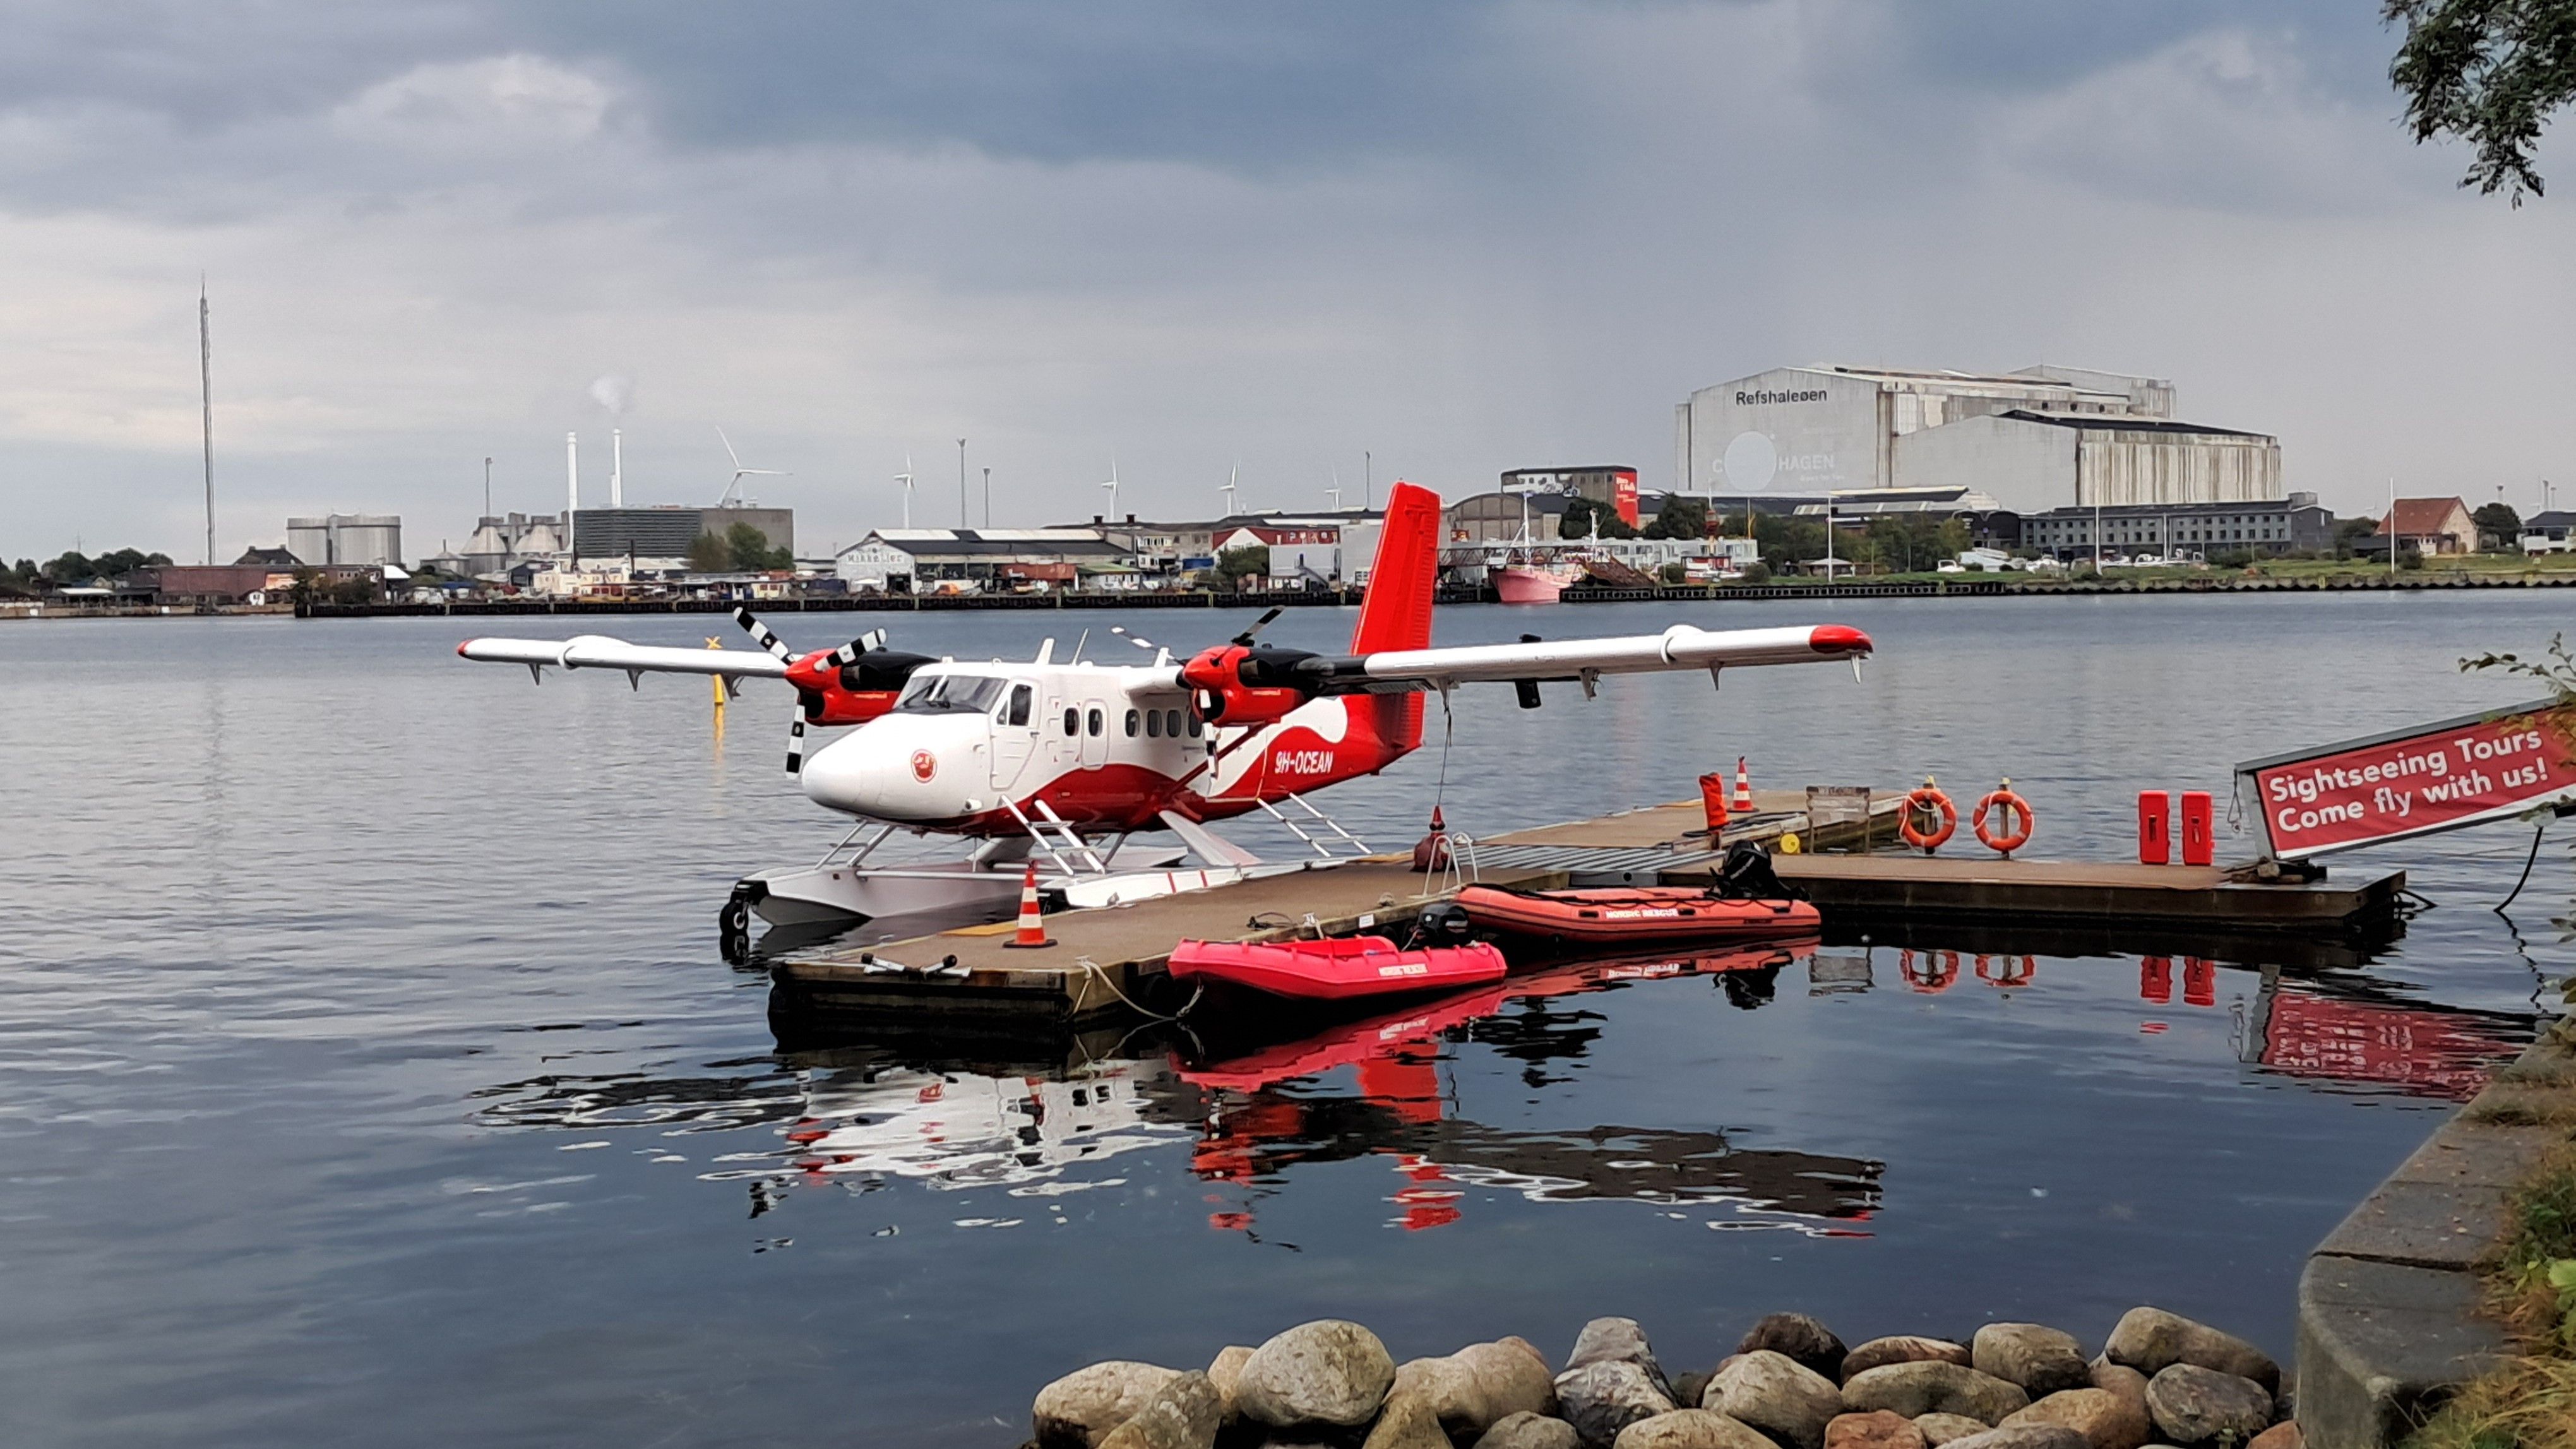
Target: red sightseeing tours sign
pixel 2464 771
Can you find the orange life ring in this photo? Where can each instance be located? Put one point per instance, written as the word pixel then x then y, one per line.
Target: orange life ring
pixel 1925 802
pixel 2005 800
pixel 1940 970
pixel 2011 974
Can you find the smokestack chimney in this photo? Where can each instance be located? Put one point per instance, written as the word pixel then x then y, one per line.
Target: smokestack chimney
pixel 572 486
pixel 616 467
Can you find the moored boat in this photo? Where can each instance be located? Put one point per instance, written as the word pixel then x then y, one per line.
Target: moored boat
pixel 1336 970
pixel 1533 583
pixel 1633 913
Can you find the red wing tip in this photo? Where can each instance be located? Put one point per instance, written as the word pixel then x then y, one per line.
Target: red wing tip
pixel 460 647
pixel 1838 639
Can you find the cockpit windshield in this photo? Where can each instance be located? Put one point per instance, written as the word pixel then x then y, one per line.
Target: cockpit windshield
pixel 949 694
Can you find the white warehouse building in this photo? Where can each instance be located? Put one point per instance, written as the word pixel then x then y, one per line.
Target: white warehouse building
pixel 2040 438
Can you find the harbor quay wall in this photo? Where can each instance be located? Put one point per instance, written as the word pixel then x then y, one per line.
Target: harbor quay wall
pixel 2393 1308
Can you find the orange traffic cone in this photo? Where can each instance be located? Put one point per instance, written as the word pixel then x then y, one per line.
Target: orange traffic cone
pixel 1431 852
pixel 1032 930
pixel 1743 787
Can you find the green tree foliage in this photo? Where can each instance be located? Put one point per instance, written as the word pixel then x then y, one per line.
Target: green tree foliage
pixel 1757 572
pixel 2489 72
pixel 1252 561
pixel 2350 531
pixel 1681 518
pixel 709 554
pixel 1788 541
pixel 2498 521
pixel 1583 515
pixel 750 550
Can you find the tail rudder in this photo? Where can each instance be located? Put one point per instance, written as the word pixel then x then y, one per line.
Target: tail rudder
pixel 1396 614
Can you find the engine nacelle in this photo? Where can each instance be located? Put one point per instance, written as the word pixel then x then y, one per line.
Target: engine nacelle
pixel 1236 684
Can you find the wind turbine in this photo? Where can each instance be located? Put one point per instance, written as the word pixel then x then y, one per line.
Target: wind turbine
pixel 1228 489
pixel 733 489
pixel 1112 486
pixel 905 478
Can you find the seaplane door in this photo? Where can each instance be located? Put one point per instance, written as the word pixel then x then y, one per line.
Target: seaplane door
pixel 1095 733
pixel 1016 722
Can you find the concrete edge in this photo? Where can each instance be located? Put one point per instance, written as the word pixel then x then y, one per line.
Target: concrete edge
pixel 2391 1316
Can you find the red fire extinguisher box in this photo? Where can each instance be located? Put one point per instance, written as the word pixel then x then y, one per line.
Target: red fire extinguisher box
pixel 2198 846
pixel 2155 827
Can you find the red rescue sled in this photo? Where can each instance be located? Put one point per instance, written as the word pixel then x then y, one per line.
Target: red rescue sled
pixel 1633 913
pixel 1339 970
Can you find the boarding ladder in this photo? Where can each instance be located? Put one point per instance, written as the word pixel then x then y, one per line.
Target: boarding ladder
pixel 1056 836
pixel 1358 846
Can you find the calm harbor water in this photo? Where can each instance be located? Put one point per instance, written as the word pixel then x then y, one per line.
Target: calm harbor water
pixel 373 1076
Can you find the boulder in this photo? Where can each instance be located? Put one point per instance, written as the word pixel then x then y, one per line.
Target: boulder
pixel 1225 1371
pixel 2192 1404
pixel 1408 1421
pixel 1618 1340
pixel 1480 1385
pixel 1877 1429
pixel 2106 1419
pixel 1799 1337
pixel 1916 1389
pixel 2284 1435
pixel 1183 1415
pixel 1774 1393
pixel 1328 1372
pixel 1902 1348
pixel 1690 1384
pixel 1796 1337
pixel 1689 1429
pixel 2151 1340
pixel 2038 1358
pixel 1940 1429
pixel 1530 1431
pixel 1600 1399
pixel 2023 1436
pixel 1078 1410
pixel 1527 1347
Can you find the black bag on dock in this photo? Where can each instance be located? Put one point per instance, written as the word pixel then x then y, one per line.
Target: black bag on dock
pixel 1746 875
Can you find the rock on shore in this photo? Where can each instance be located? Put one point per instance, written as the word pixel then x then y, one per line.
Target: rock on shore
pixel 2162 1380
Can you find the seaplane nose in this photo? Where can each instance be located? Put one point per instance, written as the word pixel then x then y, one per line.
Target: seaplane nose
pixel 841 776
pixel 897 768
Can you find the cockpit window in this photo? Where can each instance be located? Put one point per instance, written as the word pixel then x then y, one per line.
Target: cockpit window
pixel 1020 695
pixel 949 694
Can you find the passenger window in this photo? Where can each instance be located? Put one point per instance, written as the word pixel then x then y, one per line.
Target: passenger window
pixel 1072 723
pixel 1131 724
pixel 1094 721
pixel 1020 697
pixel 1153 724
pixel 1196 725
pixel 1172 723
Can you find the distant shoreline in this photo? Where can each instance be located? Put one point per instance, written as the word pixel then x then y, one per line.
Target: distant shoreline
pixel 1948 588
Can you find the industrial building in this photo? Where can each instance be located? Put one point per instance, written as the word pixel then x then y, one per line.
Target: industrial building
pixel 922 560
pixel 502 542
pixel 2034 440
pixel 1304 547
pixel 2180 530
pixel 667 531
pixel 346 538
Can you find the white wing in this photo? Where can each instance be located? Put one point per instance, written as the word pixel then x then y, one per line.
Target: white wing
pixel 1679 647
pixel 598 651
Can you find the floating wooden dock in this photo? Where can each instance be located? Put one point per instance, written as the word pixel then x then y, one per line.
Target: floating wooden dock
pixel 1111 961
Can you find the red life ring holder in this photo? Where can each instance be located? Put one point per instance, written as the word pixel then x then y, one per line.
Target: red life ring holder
pixel 1938 972
pixel 2006 971
pixel 1926 802
pixel 2007 802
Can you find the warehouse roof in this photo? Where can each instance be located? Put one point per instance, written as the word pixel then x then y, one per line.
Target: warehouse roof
pixel 996 542
pixel 2124 423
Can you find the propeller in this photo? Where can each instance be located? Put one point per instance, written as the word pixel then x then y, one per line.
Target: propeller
pixel 1259 624
pixel 796 738
pixel 1139 640
pixel 761 634
pixel 867 643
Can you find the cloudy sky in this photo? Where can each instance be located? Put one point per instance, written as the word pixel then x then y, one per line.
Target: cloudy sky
pixel 1451 237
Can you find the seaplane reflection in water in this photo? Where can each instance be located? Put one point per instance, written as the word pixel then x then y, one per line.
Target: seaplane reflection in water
pixel 1248 1115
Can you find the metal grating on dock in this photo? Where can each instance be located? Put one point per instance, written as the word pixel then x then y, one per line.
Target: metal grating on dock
pixel 1587 859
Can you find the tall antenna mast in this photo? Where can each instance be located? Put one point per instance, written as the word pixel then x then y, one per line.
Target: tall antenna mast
pixel 206 400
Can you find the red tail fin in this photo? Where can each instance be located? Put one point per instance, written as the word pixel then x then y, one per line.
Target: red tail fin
pixel 1397 612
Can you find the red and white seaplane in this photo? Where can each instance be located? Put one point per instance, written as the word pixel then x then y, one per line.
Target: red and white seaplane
pixel 1061 762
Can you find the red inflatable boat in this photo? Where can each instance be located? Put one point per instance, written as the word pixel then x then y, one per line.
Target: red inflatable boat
pixel 1633 913
pixel 1341 970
